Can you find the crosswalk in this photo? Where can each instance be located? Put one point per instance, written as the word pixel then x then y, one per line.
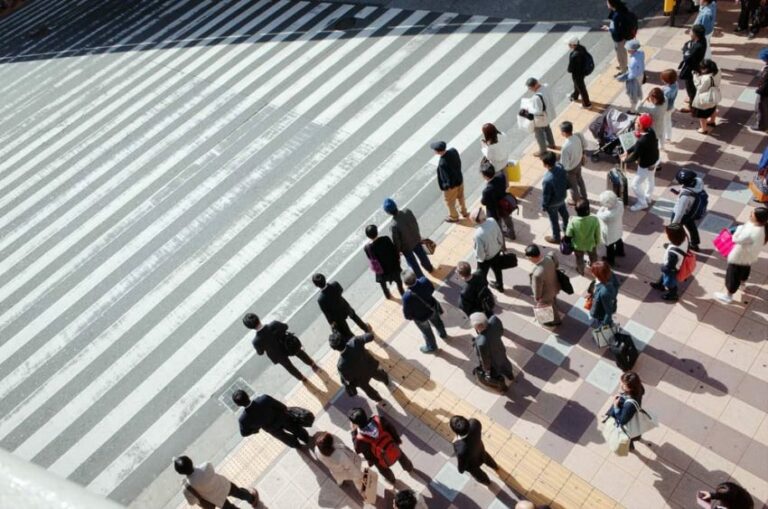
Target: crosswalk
pixel 167 165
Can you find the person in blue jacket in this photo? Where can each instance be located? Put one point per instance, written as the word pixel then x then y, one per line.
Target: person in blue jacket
pixel 420 306
pixel 623 27
pixel 605 294
pixel 554 187
pixel 623 409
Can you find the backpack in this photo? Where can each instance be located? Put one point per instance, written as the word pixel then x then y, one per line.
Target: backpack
pixel 688 265
pixel 589 64
pixel 564 281
pixel 486 299
pixel 384 448
pixel 301 416
pixel 700 204
pixel 624 350
pixel 631 26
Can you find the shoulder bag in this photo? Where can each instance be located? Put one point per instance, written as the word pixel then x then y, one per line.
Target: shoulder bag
pixel 641 422
pixel 373 261
pixel 615 436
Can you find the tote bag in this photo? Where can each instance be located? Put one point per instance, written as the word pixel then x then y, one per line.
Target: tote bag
pixel 615 436
pixel 709 98
pixel 369 484
pixel 604 335
pixel 544 314
pixel 641 422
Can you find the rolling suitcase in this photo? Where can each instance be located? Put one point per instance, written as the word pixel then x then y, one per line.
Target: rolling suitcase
pixel 616 181
pixel 624 350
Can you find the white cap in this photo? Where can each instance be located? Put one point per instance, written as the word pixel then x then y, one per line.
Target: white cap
pixel 477 319
pixel 573 40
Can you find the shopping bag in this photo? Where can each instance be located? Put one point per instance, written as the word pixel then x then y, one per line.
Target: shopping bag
pixel 604 335
pixel 514 172
pixel 615 436
pixel 369 484
pixel 641 422
pixel 724 242
pixel 544 314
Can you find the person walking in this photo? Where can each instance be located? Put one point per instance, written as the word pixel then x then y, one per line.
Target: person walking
pixel 623 27
pixel 469 448
pixel 749 17
pixel 475 296
pixel 580 64
pixel 669 90
pixel 335 307
pixel 761 93
pixel 727 495
pixel 343 463
pixel 706 17
pixel 409 499
pixel 495 146
pixel 493 363
pixel 694 52
pixel 611 216
pixel 585 235
pixel 544 282
pixel 572 157
pixel 687 203
pixel 656 106
pixel 673 260
pixel 554 188
pixel 357 366
pixel 450 180
pixel 646 153
pixel 704 105
pixel 267 413
pixel 280 345
pixel 206 488
pixel 635 75
pixel 423 309
pixel 379 442
pixel 542 113
pixel 628 402
pixel 494 192
pixel 384 260
pixel 605 294
pixel 748 240
pixel 407 237
pixel 489 244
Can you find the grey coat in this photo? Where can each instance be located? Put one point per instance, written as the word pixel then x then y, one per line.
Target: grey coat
pixel 544 281
pixel 405 231
pixel 491 353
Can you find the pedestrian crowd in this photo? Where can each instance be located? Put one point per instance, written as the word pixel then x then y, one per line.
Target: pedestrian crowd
pixel 593 236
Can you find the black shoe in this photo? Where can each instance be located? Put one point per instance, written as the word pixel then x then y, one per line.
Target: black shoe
pixel 739 30
pixel 670 296
pixel 497 286
pixel 694 247
pixel 658 286
pixel 665 245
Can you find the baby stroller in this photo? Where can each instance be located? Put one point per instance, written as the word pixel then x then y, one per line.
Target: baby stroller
pixel 606 130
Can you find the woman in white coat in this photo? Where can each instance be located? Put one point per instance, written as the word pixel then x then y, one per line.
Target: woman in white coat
pixel 748 240
pixel 343 462
pixel 611 215
pixel 495 147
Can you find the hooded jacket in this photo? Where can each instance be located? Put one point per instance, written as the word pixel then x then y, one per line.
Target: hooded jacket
pixel 685 200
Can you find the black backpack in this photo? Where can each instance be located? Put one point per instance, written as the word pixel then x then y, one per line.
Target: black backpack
pixel 624 350
pixel 486 299
pixel 589 64
pixel 631 26
pixel 301 416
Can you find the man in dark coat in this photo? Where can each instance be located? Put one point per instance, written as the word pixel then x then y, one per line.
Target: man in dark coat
pixel 450 180
pixel 494 191
pixel 470 451
pixel 577 62
pixel 475 291
pixel 420 305
pixel 267 413
pixel 493 363
pixel 335 307
pixel 357 366
pixel 407 237
pixel 387 260
pixel 271 339
pixel 554 187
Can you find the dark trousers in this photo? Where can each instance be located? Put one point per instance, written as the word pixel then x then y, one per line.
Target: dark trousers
pixel 693 231
pixel 580 89
pixel 413 262
pixel 290 433
pixel 478 473
pixel 389 475
pixel 493 265
pixel 734 276
pixel 372 393
pixel 385 287
pixel 234 491
pixel 690 88
pixel 614 250
pixel 290 368
pixel 342 327
pixel 553 212
pixel 749 15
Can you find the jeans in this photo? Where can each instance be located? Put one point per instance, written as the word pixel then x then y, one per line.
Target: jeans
pixel 693 231
pixel 290 368
pixel 669 279
pixel 576 181
pixel 621 55
pixel 553 212
pixel 643 185
pixel 425 326
pixel 413 263
pixel 544 137
pixel 453 195
pixel 580 89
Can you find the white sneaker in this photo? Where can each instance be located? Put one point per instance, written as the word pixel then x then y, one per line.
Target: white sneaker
pixel 638 207
pixel 725 298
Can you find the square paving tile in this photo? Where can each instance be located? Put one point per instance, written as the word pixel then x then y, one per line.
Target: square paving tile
pixel 449 482
pixel 714 223
pixel 577 312
pixel 604 376
pixel 555 349
pixel 663 208
pixel 640 333
pixel 737 192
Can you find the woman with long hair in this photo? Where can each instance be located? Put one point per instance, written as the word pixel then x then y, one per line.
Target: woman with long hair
pixel 627 402
pixel 704 105
pixel 748 240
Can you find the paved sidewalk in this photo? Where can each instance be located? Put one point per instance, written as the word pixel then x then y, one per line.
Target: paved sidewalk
pixel 704 364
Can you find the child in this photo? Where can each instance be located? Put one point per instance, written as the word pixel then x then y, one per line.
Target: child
pixel 673 260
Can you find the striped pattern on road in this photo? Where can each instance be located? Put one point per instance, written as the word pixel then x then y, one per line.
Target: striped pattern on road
pixel 166 166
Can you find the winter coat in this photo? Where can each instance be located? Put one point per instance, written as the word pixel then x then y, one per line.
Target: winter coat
pixel 384 250
pixel 344 464
pixel 673 257
pixel 749 239
pixel 693 54
pixel 611 222
pixel 577 59
pixel 494 190
pixel 544 282
pixel 685 200
pixel 356 365
pixel 418 302
pixel 405 231
pixel 469 300
pixel 491 353
pixel 646 150
pixel 449 170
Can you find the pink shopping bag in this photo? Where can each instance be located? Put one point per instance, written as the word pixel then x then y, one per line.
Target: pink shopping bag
pixel 724 242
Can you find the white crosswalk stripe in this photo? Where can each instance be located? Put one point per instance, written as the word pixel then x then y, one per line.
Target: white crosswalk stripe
pixel 192 161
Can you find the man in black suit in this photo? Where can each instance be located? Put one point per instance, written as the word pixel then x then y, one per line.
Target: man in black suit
pixel 469 448
pixel 266 413
pixel 475 296
pixel 279 345
pixel 357 366
pixel 336 308
pixel 450 180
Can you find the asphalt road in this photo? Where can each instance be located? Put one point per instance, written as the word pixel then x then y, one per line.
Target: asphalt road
pixel 168 166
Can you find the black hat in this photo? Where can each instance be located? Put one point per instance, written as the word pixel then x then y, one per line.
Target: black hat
pixel 686 177
pixel 438 145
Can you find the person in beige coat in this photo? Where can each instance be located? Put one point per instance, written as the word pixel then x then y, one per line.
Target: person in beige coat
pixel 343 462
pixel 544 282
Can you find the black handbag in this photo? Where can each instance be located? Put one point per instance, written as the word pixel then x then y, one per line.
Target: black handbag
pixel 506 261
pixel 301 416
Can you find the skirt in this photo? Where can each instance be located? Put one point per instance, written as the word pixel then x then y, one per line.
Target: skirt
pixel 697 113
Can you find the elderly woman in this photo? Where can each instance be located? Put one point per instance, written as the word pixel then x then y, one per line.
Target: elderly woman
pixel 633 78
pixel 611 214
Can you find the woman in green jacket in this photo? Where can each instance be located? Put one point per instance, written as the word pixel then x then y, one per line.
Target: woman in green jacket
pixel 584 234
